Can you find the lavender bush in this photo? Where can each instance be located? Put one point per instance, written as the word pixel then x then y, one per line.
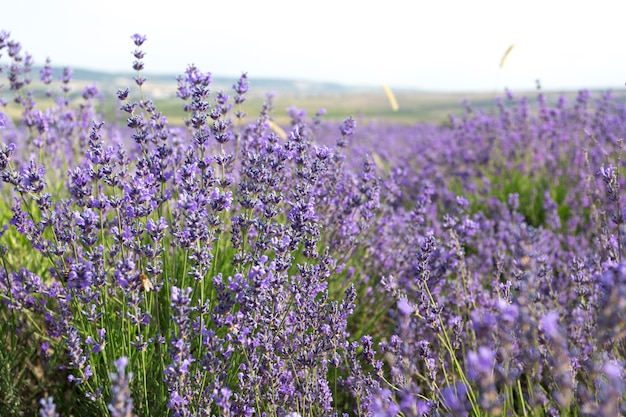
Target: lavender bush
pixel 216 268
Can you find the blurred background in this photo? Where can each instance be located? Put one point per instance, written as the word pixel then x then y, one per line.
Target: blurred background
pixel 431 54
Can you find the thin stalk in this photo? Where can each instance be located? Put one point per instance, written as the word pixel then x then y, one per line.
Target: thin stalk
pixel 450 349
pixel 145 387
pixel 13 319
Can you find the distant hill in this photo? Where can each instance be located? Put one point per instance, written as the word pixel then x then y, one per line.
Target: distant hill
pixel 164 85
pixel 339 101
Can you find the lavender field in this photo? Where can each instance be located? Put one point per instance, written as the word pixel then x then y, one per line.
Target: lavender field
pixel 233 267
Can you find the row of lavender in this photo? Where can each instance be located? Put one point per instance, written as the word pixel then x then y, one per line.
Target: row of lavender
pixel 219 269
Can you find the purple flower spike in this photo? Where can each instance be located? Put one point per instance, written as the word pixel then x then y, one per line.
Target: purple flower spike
pixel 405 307
pixel 347 130
pixel 348 126
pixel 455 400
pixel 138 39
pixel 90 92
pixel 481 362
pixel 6 152
pixel 121 404
pixel 123 94
pixel 48 408
pixel 46 73
pixel 4 36
pixel 550 324
pixel 241 88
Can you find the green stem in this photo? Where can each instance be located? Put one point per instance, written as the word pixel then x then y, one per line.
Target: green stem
pixel 13 319
pixel 448 345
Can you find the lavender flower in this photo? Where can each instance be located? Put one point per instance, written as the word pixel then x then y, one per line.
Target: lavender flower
pixel 48 408
pixel 121 403
pixel 246 273
pixel 347 130
pixel 177 374
pixel 138 39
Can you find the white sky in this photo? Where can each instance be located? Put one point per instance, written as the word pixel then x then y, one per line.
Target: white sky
pixel 436 45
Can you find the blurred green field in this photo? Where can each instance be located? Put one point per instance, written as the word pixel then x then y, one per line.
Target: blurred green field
pixel 339 101
pixel 371 106
pixel 414 107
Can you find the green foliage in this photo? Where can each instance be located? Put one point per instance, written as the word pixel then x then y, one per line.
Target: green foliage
pixel 10 383
pixel 529 187
pixel 20 373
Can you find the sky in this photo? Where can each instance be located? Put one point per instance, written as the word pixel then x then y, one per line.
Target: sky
pixel 443 45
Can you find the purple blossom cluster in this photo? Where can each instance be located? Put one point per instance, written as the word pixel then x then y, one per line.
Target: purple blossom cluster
pixel 502 307
pixel 217 268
